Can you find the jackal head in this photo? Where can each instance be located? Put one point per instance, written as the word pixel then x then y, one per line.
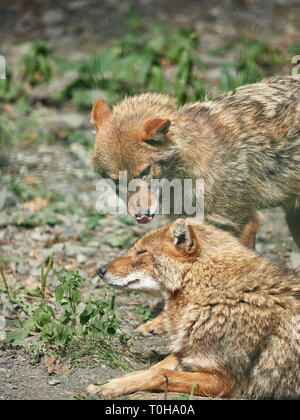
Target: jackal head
pixel 157 262
pixel 135 138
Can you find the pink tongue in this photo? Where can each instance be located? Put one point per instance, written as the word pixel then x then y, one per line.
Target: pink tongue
pixel 143 219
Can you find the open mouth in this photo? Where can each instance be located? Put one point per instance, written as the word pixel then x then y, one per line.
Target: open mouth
pixel 144 219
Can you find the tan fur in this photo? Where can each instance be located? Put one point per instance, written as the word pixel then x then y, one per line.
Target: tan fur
pixel 155 326
pixel 245 145
pixel 230 315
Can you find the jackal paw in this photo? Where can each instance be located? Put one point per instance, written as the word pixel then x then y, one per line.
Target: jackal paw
pixel 113 388
pixel 110 389
pixel 152 327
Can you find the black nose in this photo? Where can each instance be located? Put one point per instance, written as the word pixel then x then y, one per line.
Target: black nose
pixel 101 271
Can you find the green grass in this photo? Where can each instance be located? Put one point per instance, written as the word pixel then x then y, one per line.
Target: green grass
pixel 160 60
pixel 94 333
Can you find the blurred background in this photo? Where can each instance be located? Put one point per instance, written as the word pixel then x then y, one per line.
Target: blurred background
pixel 60 57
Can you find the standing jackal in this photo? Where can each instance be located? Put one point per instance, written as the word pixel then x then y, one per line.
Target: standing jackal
pixel 245 145
pixel 232 316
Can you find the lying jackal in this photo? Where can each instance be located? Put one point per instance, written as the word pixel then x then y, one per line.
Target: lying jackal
pixel 231 315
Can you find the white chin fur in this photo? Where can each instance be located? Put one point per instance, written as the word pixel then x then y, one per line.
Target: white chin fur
pixel 135 280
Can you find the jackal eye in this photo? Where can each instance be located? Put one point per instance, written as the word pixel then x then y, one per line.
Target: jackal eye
pixel 143 251
pixel 104 175
pixel 145 173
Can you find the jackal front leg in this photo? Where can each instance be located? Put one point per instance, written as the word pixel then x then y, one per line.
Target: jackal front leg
pixel 163 376
pixel 155 326
pixel 248 235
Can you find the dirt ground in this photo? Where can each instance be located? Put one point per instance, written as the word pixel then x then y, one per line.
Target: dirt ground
pixel 77 29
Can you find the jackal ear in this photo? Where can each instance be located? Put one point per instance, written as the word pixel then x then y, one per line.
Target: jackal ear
pixel 100 113
pixel 184 236
pixel 156 129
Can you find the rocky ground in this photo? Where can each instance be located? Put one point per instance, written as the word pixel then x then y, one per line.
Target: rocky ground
pixel 48 190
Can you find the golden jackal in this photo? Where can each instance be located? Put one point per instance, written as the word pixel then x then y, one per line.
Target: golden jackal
pixel 245 145
pixel 231 315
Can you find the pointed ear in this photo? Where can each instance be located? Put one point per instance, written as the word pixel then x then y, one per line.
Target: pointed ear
pixel 184 237
pixel 100 113
pixel 156 129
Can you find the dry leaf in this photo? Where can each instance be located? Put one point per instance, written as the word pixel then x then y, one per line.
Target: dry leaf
pixel 54 367
pixel 36 255
pixel 30 178
pixel 9 109
pixel 36 204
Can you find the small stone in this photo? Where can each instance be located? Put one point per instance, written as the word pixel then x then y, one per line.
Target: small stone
pixel 81 259
pixel 4 220
pixel 53 382
pixel 21 268
pixel 53 17
pixel 93 244
pixel 295 259
pixel 59 247
pixel 7 199
pixel 11 386
pixel 68 232
pixel 69 121
pixel 2 328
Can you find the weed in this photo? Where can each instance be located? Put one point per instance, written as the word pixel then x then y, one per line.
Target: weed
pixel 93 218
pixel 134 65
pixel 10 90
pixel 144 312
pixel 64 325
pixel 6 133
pixel 84 236
pixel 255 59
pixel 121 240
pixel 35 64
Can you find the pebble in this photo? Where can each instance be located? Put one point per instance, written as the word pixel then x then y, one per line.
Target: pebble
pixel 81 259
pixel 4 220
pixel 295 259
pixel 11 386
pixel 58 247
pixel 2 327
pixel 68 232
pixel 7 199
pixel 53 382
pixel 70 120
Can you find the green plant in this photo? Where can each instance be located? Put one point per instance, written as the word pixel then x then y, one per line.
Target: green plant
pixel 294 49
pixel 6 285
pixel 6 134
pixel 255 59
pixel 35 64
pixel 84 236
pixel 10 90
pixel 93 218
pixel 134 64
pixel 63 323
pixel 183 50
pixel 144 312
pixel 120 240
